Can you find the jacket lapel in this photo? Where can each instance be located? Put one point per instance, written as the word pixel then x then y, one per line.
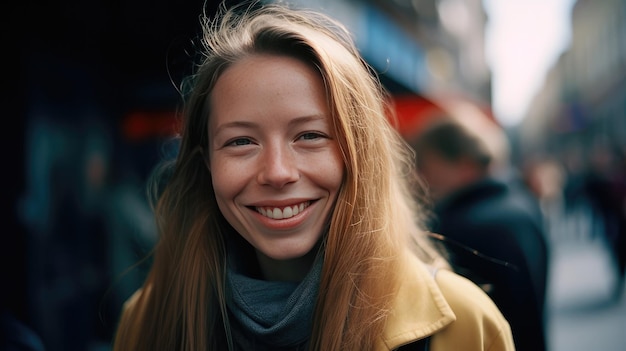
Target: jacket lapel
pixel 419 308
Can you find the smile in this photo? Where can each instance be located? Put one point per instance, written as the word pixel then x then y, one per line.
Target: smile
pixel 282 213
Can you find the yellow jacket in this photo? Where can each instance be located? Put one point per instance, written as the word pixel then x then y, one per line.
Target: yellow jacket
pixel 456 312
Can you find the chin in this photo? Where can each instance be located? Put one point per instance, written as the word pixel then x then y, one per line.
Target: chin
pixel 287 254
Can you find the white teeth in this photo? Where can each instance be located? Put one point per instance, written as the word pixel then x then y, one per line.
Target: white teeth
pixel 287 212
pixel 278 214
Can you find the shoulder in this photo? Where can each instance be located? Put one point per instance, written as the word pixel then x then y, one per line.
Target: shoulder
pixel 454 312
pixel 479 324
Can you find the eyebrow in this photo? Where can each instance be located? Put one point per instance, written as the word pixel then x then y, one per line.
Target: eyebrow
pixel 305 119
pixel 235 124
pixel 253 124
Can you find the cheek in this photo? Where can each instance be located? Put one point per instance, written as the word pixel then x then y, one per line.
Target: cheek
pixel 220 184
pixel 225 181
pixel 221 192
pixel 225 190
pixel 331 176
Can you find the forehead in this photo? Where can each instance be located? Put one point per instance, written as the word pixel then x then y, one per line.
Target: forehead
pixel 266 67
pixel 262 86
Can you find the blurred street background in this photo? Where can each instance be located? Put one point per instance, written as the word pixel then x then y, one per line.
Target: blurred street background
pixel 581 313
pixel 91 106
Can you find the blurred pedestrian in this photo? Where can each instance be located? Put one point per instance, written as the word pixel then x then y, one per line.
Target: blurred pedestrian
pixel 490 224
pixel 604 187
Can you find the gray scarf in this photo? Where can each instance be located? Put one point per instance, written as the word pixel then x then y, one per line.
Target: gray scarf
pixel 269 315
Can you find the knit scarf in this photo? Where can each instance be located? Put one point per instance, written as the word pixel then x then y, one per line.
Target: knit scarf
pixel 270 315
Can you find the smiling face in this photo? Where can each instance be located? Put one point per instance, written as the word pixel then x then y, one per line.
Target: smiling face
pixel 275 163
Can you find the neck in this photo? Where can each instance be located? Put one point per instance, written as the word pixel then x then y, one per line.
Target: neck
pixel 292 270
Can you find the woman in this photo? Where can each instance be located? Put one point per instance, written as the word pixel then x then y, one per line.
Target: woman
pixel 287 219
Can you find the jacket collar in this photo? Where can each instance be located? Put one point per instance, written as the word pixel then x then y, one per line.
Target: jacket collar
pixel 419 308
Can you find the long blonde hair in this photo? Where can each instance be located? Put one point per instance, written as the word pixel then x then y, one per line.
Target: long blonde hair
pixel 181 305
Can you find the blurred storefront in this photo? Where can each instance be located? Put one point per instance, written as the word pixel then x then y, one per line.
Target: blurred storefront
pixel 428 46
pixel 583 101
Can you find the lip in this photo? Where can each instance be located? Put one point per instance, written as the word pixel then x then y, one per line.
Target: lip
pixel 280 203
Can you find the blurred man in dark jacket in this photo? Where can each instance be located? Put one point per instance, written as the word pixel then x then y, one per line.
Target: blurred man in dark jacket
pixel 491 226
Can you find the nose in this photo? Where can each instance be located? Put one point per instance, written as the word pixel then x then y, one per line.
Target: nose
pixel 278 167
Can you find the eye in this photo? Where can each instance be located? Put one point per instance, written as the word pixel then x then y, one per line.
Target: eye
pixel 311 136
pixel 239 142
